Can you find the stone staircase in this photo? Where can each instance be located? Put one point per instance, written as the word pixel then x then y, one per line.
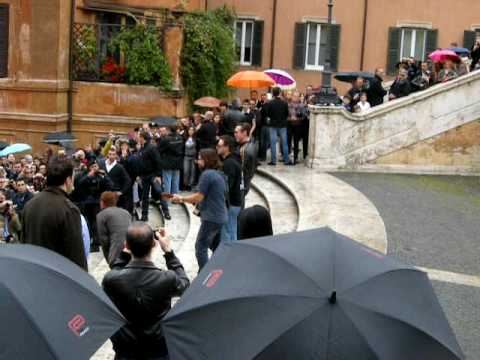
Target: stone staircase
pixel 418 133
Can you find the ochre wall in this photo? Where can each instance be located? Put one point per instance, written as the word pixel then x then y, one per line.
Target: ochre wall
pixel 457 147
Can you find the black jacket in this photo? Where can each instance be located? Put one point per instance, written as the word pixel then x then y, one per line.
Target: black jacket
pixel 90 188
pixel 277 111
pixel 206 136
pixel 248 156
pixel 232 118
pixel 118 175
pixel 52 221
pixel 232 168
pixel 150 161
pixel 376 92
pixel 143 294
pixel 171 149
pixel 400 88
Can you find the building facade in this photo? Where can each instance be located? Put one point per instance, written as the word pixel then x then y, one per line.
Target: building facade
pixel 367 34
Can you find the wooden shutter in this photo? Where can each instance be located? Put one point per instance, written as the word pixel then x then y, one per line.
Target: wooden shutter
pixel 334 37
pixel 469 38
pixel 299 46
pixel 257 43
pixel 4 33
pixel 432 42
pixel 393 55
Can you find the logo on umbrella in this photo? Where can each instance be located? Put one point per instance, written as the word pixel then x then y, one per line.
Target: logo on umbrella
pixel 78 325
pixel 212 278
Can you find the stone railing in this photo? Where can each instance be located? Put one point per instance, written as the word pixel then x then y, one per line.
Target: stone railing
pixel 341 140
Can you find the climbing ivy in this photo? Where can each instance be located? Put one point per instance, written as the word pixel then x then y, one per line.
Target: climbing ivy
pixel 208 55
pixel 145 62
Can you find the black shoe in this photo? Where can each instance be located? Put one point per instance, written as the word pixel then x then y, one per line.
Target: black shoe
pixel 167 216
pixel 94 248
pixel 272 164
pixel 144 218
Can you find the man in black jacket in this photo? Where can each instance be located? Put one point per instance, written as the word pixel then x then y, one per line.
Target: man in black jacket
pixel 150 171
pixel 376 92
pixel 232 118
pixel 401 86
pixel 277 112
pixel 118 175
pixel 51 220
pixel 143 294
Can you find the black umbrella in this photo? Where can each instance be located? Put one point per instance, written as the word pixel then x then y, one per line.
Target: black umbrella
pixel 163 121
pixel 349 76
pixel 59 139
pixel 50 308
pixel 3 145
pixel 308 295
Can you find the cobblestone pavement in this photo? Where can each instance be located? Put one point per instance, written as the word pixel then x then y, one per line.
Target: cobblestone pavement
pixel 433 222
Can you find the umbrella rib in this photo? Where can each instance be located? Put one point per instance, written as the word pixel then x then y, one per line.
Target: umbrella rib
pixel 30 320
pixel 388 316
pixel 382 274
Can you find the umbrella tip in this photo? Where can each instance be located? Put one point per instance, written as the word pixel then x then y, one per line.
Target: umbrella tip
pixel 333 298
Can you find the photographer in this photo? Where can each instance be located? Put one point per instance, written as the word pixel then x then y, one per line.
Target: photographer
pixel 9 221
pixel 90 188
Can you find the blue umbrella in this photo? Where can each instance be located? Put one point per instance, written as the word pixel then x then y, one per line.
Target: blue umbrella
pixel 460 51
pixel 15 148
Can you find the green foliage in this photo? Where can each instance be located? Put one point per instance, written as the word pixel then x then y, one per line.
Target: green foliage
pixel 144 60
pixel 85 50
pixel 208 56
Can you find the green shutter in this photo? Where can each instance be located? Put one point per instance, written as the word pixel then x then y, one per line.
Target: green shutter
pixel 432 42
pixel 4 34
pixel 299 46
pixel 334 41
pixel 257 43
pixel 469 38
pixel 393 56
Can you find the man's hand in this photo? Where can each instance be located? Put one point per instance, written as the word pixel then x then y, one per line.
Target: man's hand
pixel 163 240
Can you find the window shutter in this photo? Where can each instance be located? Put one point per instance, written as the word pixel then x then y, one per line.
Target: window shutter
pixel 469 38
pixel 4 27
pixel 299 46
pixel 257 43
pixel 393 56
pixel 334 37
pixel 432 42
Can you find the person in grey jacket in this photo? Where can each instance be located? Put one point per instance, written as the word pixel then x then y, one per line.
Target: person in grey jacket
pixel 189 159
pixel 112 226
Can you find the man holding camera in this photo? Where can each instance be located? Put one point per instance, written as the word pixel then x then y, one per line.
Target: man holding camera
pixel 143 293
pixel 10 226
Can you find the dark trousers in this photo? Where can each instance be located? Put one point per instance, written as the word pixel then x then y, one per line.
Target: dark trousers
pixel 306 130
pixel 90 211
pixel 263 137
pixel 147 185
pixel 120 357
pixel 208 237
pixel 295 133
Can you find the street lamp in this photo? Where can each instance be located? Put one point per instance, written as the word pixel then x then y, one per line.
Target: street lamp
pixel 327 94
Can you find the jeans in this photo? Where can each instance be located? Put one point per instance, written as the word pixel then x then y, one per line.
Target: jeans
pixel 171 181
pixel 274 133
pixel 229 230
pixel 147 185
pixel 189 171
pixel 208 237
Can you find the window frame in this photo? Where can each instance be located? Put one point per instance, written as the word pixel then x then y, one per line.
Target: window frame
pixel 318 45
pixel 7 37
pixel 244 22
pixel 413 43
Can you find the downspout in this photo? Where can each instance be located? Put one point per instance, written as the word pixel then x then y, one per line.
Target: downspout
pixel 70 70
pixel 206 5
pixel 274 26
pixel 364 34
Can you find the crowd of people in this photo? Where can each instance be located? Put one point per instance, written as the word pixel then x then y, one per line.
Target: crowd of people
pixel 412 76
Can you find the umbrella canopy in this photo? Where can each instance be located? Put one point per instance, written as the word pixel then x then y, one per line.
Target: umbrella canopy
pixel 3 145
pixel 208 102
pixel 59 138
pixel 444 55
pixel 15 148
pixel 50 308
pixel 349 76
pixel 250 80
pixel 161 121
pixel 460 51
pixel 281 78
pixel 308 295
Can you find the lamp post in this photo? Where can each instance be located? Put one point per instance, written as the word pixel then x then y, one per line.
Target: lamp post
pixel 327 95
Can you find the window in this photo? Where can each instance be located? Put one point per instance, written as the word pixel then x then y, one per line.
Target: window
pixel 4 27
pixel 244 41
pixel 413 43
pixel 316 47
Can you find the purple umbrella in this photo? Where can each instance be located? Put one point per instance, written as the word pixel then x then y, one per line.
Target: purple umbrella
pixel 280 77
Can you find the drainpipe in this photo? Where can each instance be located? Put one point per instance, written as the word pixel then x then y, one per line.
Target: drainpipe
pixel 206 5
pixel 70 70
pixel 364 33
pixel 274 26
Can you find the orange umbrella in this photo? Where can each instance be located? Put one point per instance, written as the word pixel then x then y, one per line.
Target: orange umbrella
pixel 208 102
pixel 250 80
